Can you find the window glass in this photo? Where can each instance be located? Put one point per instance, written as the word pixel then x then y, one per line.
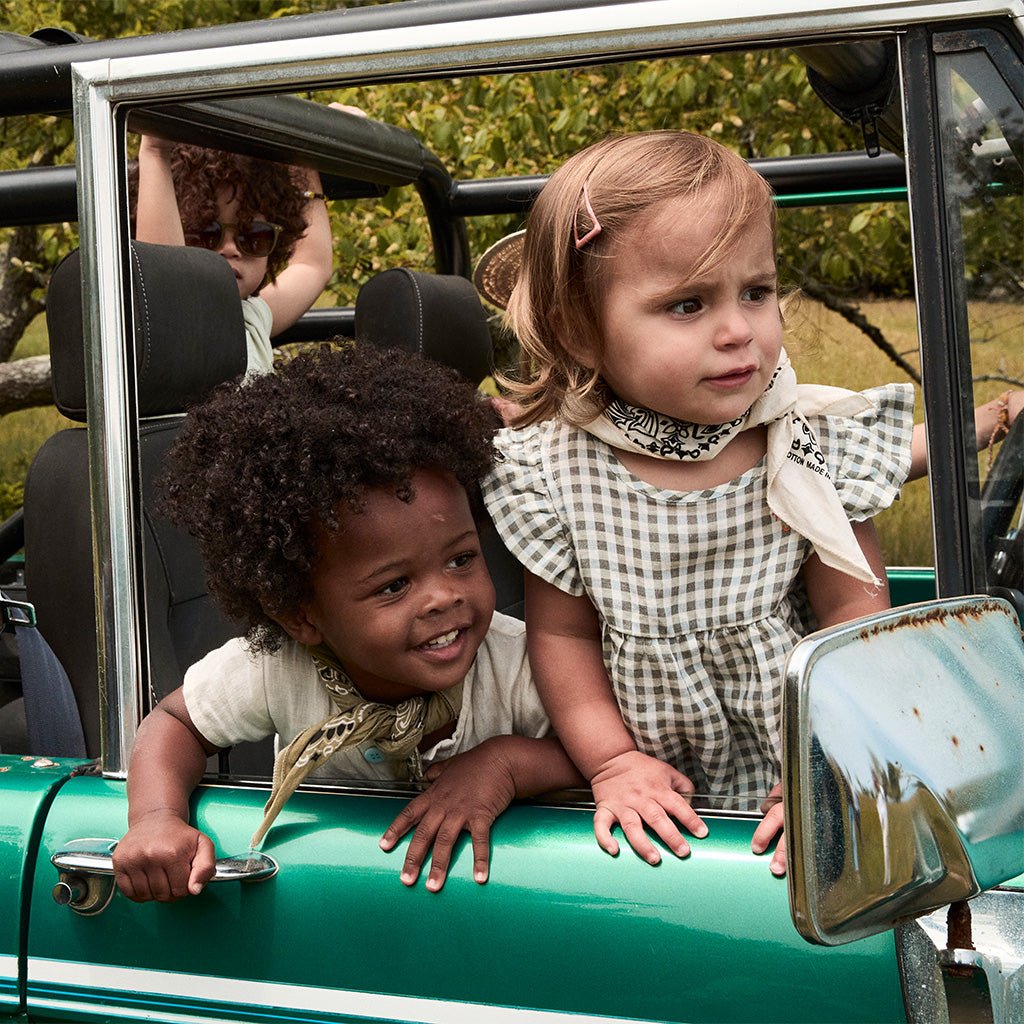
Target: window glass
pixel 982 126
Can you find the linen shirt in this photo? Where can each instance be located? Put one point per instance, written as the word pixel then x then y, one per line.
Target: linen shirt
pixel 259 353
pixel 232 695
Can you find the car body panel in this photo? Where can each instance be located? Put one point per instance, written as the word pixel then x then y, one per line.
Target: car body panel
pixel 545 932
pixel 29 784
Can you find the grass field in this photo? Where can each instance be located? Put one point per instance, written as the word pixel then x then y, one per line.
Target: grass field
pixel 21 433
pixel 824 348
pixel 828 350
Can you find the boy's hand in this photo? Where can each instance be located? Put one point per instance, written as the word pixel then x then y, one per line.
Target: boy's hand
pixel 769 828
pixel 634 789
pixel 467 792
pixel 163 858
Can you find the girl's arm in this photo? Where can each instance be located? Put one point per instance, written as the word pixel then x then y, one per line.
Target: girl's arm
pixel 992 422
pixel 162 857
pixel 630 788
pixel 834 598
pixel 156 210
pixel 300 283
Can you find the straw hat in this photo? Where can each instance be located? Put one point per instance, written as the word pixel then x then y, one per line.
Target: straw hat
pixel 496 273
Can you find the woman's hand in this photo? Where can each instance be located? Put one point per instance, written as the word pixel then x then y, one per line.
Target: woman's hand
pixel 633 789
pixel 770 827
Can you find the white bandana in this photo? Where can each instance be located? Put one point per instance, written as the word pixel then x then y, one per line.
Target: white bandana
pixel 800 489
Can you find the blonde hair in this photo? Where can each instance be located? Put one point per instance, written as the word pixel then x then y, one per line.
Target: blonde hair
pixel 555 306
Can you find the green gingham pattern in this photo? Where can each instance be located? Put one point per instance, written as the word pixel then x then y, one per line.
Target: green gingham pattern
pixel 693 588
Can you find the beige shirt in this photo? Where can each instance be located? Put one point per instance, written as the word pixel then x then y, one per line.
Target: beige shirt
pixel 232 695
pixel 259 352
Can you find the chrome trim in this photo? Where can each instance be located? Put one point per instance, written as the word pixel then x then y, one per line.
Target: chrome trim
pixel 95 857
pixel 110 427
pixel 606 30
pixel 922 951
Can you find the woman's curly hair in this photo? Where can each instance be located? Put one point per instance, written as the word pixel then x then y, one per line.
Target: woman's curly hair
pixel 266 190
pixel 258 466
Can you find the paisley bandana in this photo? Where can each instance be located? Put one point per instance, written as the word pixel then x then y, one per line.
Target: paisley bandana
pixel 800 490
pixel 396 730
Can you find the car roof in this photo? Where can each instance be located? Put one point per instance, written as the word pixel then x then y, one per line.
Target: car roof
pixel 36 76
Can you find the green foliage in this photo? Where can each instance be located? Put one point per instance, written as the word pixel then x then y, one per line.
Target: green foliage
pixel 860 249
pixel 11 497
pixel 758 104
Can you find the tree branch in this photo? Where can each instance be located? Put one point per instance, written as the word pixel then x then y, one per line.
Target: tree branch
pixel 25 384
pixel 19 306
pixel 854 316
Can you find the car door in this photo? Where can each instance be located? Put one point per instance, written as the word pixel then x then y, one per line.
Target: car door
pixel 334 935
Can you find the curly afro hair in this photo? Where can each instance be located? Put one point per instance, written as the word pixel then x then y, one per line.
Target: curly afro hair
pixel 264 189
pixel 260 465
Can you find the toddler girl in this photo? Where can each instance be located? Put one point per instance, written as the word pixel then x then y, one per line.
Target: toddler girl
pixel 683 506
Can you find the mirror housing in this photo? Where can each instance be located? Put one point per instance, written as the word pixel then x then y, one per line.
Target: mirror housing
pixel 903 738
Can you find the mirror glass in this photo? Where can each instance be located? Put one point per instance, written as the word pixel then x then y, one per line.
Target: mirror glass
pixel 904 740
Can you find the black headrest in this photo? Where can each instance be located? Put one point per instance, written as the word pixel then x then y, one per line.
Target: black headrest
pixel 435 315
pixel 188 324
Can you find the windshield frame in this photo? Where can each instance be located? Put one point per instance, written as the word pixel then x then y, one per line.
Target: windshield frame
pixel 475 37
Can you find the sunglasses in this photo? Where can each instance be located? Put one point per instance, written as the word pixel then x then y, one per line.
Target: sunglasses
pixel 255 239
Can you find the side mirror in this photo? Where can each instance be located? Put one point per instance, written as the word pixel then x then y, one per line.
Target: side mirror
pixel 904 765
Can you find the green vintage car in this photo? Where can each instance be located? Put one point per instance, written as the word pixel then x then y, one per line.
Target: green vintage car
pixel 903 760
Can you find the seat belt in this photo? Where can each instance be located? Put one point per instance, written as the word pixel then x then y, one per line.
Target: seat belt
pixel 51 712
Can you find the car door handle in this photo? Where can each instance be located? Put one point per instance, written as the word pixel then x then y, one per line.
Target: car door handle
pixel 85 869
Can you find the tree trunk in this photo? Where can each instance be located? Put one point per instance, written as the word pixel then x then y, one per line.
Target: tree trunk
pixel 21 277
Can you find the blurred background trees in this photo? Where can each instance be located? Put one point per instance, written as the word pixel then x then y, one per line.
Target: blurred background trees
pixel 853 259
pixel 757 103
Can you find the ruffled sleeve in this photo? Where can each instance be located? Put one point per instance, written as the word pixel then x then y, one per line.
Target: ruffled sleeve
pixel 526 509
pixel 868 453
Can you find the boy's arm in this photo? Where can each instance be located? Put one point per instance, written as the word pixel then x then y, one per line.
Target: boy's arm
pixel 300 283
pixel 467 793
pixel 630 788
pixel 156 210
pixel 162 856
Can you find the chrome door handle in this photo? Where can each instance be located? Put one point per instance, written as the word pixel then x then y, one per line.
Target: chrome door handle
pixel 85 870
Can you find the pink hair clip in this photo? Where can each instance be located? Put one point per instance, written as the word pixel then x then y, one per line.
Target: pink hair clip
pixel 594 231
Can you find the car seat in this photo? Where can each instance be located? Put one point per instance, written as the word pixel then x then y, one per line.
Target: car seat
pixel 189 337
pixel 440 317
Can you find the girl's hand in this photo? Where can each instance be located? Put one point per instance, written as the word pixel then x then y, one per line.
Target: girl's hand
pixel 467 792
pixel 769 828
pixel 507 410
pixel 633 789
pixel 163 858
pixel 994 419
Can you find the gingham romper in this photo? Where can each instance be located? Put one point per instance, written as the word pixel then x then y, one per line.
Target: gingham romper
pixel 695 590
